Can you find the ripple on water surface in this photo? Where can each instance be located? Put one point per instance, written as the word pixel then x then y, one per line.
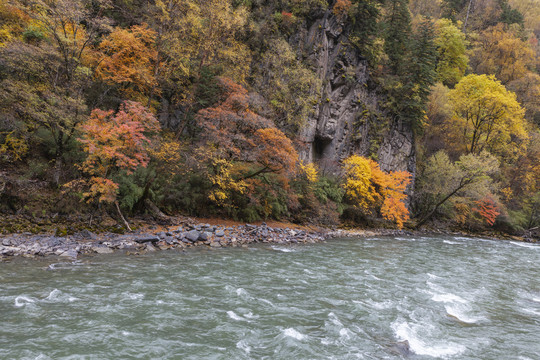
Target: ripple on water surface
pixel 448 297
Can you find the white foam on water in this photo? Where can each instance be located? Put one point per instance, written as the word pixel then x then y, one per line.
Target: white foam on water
pixel 452 242
pixel 242 293
pixel 250 315
pixel 307 271
pixel 433 276
pixel 536 299
pixel 387 304
pixel 531 311
pixel 405 239
pixel 290 332
pixel 42 357
pixel 525 245
pixel 242 345
pixel 234 316
pixel 462 238
pixel 334 319
pixel 449 298
pixel 404 331
pixel 22 300
pixel 132 296
pixel 58 296
pixel 461 312
pixel 283 249
pixel 344 333
pixel 267 302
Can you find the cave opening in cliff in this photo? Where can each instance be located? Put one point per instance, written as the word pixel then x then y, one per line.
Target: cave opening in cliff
pixel 320 146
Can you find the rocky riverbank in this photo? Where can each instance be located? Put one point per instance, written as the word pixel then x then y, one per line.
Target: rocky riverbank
pixel 178 237
pixel 190 234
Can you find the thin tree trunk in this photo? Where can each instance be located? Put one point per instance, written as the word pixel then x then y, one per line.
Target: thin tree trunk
pixel 467 17
pixel 122 216
pixel 430 214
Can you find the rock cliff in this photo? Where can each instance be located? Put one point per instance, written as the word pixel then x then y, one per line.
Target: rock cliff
pixel 348 119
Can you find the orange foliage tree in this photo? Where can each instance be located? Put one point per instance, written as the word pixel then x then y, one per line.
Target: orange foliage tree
pixel 368 187
pixel 114 142
pixel 129 61
pixel 341 8
pixel 245 144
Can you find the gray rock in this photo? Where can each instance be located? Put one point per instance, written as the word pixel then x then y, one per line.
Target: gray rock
pixel 71 253
pixel 401 348
pixel 6 242
pixel 87 234
pixel 204 236
pixel 215 244
pixel 220 233
pixel 150 247
pixel 192 235
pixel 146 238
pixel 100 249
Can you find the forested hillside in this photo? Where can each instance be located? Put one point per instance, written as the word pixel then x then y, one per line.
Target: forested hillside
pixel 365 112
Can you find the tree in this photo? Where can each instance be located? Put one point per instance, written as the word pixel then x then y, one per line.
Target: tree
pixel 114 142
pixel 486 117
pixel 451 52
pixel 128 61
pixel 364 24
pixel 368 188
pixel 499 52
pixel 527 90
pixel 442 180
pixel 397 35
pixel 239 146
pixel 47 77
pixel 290 86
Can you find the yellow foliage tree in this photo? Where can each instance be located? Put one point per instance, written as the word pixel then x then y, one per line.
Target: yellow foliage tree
pixel 486 117
pixel 501 53
pixel 368 187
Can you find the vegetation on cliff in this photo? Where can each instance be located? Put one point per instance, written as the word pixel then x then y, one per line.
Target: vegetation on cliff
pixel 197 107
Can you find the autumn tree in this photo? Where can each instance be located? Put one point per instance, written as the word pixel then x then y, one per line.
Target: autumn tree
pixel 243 145
pixel 114 142
pixel 442 180
pixel 128 61
pixel 46 76
pixel 527 90
pixel 486 117
pixel 501 53
pixel 290 86
pixel 451 52
pixel 368 188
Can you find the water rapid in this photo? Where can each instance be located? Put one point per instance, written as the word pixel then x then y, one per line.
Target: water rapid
pixel 447 297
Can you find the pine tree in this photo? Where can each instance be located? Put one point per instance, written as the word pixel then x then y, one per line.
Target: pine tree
pixel 397 35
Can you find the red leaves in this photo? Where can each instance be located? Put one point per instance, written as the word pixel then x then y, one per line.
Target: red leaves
pixel 487 209
pixel 117 140
pixel 275 151
pixel 114 142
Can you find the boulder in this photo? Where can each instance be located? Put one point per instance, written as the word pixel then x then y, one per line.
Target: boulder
pixel 193 235
pixel 101 249
pixel 71 253
pixel 220 233
pixel 146 239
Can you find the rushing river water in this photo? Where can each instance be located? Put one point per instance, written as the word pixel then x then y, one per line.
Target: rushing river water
pixel 449 297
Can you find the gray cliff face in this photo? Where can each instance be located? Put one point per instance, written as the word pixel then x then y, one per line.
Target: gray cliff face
pixel 348 119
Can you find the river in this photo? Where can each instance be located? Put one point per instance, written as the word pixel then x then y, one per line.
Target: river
pixel 449 297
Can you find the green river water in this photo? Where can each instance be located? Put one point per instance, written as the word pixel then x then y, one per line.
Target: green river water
pixel 449 297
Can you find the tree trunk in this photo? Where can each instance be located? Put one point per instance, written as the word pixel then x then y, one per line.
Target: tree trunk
pixel 122 216
pixel 59 152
